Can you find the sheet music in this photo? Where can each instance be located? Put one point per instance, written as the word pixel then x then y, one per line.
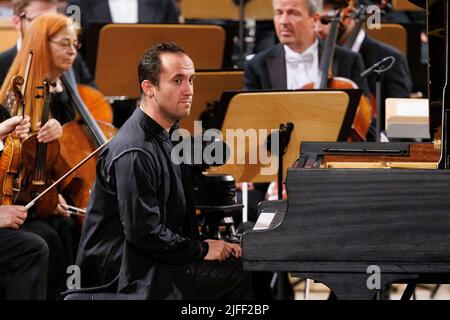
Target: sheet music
pixel 264 220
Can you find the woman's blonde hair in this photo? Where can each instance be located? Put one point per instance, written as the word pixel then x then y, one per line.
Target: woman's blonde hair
pixel 41 30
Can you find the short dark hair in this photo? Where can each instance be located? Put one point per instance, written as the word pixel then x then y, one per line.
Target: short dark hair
pixel 149 66
pixel 20 5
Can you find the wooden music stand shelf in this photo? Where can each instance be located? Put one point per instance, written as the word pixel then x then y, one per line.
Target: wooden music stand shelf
pixel 121 45
pixel 317 116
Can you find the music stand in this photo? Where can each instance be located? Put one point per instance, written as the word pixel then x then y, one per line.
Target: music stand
pixel 316 115
pixel 353 94
pixel 121 45
pixel 208 87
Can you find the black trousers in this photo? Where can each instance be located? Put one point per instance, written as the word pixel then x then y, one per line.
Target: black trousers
pixel 203 280
pixel 23 265
pixel 60 235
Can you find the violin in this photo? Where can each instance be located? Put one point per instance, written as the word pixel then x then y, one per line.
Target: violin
pixel 12 150
pixel 38 163
pixel 363 116
pixel 81 137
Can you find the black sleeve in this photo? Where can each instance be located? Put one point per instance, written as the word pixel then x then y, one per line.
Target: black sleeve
pixel 172 14
pixel 82 73
pixel 357 69
pixel 4 114
pixel 251 80
pixel 397 81
pixel 137 179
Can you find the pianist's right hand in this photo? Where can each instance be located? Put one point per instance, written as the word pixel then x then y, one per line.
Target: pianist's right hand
pixel 222 250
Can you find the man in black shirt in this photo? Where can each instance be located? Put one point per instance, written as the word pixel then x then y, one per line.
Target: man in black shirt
pixel 140 236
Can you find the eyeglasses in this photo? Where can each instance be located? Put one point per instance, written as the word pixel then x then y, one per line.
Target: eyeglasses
pixel 23 15
pixel 66 43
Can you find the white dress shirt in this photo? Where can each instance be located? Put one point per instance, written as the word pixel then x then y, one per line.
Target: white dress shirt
pixel 124 11
pixel 358 41
pixel 302 68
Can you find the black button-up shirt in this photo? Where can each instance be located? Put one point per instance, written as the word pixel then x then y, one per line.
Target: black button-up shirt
pixel 138 215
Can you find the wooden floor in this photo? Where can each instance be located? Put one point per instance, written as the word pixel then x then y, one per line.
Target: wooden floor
pixel 423 292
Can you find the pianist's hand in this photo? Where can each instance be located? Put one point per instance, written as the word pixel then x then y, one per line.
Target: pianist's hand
pixel 221 250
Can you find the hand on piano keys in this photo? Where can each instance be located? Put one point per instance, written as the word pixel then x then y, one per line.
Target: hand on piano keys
pixel 222 250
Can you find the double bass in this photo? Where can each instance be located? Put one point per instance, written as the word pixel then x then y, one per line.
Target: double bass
pixel 81 137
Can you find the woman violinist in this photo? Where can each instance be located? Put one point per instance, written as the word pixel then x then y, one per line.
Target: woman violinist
pixel 53 39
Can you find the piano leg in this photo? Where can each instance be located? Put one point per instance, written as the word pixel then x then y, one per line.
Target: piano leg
pixel 409 291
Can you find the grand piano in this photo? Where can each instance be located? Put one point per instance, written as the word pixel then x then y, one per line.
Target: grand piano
pixel 361 216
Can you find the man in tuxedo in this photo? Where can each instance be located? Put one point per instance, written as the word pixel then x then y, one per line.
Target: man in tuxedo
pixel 397 81
pixel 126 11
pixel 25 11
pixel 294 62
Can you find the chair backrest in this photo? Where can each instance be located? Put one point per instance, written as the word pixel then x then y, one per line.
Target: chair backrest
pixel 392 34
pixel 405 5
pixel 121 45
pixel 8 34
pixel 226 9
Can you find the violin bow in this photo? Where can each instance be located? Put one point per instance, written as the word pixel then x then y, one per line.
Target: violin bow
pixel 54 184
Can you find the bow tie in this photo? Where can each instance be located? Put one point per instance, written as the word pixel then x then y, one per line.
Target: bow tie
pixel 307 58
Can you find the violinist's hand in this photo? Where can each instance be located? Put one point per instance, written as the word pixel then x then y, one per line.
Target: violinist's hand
pixel 51 131
pixel 12 216
pixel 20 125
pixel 61 208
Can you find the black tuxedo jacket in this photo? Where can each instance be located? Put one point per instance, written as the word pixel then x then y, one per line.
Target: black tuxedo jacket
pixel 81 72
pixel 267 70
pixel 397 80
pixel 149 11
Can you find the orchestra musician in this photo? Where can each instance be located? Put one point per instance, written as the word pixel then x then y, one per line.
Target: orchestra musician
pixel 126 11
pixel 53 39
pixel 25 11
pixel 22 276
pixel 397 80
pixel 294 62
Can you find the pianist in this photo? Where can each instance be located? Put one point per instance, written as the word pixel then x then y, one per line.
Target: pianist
pixel 140 236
